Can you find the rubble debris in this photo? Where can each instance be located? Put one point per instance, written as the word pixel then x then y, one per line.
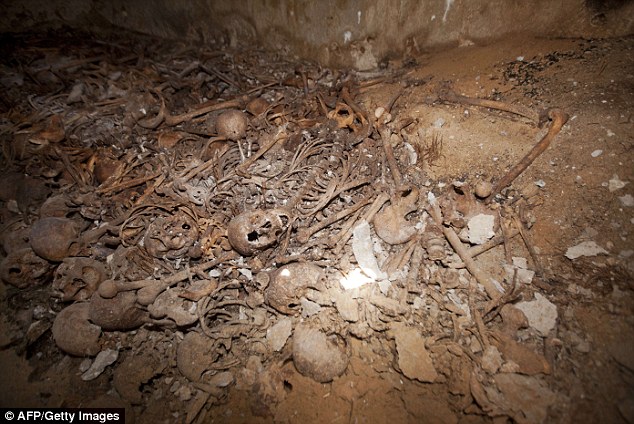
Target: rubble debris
pixel 346 305
pixel 519 269
pixel 481 228
pixel 414 360
pixel 104 359
pixel 279 333
pixel 362 246
pixel 525 399
pixel 615 183
pixel 491 360
pixel 541 314
pixel 586 248
pixel 627 200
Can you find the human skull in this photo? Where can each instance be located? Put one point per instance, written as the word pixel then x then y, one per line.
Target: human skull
pixel 171 236
pixel 256 230
pixel 343 114
pixel 78 278
pixel 54 238
pixel 288 284
pixel 23 268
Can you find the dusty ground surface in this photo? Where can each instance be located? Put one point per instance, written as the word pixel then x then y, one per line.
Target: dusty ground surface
pixel 235 340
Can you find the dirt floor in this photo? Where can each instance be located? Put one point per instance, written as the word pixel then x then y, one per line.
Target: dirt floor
pixel 200 234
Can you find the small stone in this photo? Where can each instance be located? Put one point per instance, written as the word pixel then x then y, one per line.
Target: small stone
pixel 587 248
pixel 491 360
pixel 524 276
pixel 626 253
pixel 390 307
pixel 481 228
pixel 85 365
pixel 362 247
pixel 309 308
pixel 583 346
pixel 520 262
pixel 438 123
pixel 627 200
pixel 596 153
pixel 75 93
pixel 541 314
pixel 347 307
pixel 615 183
pixel 278 334
pixel 184 393
pixel 510 367
pixel 413 358
pixel 246 272
pixel 384 287
pixel 104 359
pixel 475 345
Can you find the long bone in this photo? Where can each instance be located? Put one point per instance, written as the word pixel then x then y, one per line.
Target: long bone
pixel 482 277
pixel 450 96
pixel 172 120
pixel 559 118
pixel 151 288
pixel 304 234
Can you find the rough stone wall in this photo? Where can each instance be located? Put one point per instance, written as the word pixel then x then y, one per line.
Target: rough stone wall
pixel 357 33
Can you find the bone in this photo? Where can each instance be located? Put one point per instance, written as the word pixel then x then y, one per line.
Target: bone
pixel 150 289
pixel 481 276
pixel 559 118
pixel 389 154
pixel 242 169
pixel 304 234
pixel 450 96
pixel 342 238
pixel 110 288
pixel 164 115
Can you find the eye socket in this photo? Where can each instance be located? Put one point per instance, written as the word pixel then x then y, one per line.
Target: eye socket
pixel 78 283
pixel 15 271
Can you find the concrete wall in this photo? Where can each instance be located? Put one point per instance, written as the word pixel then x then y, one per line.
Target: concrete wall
pixel 357 33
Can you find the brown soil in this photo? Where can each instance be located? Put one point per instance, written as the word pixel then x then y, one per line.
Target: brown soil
pixel 580 371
